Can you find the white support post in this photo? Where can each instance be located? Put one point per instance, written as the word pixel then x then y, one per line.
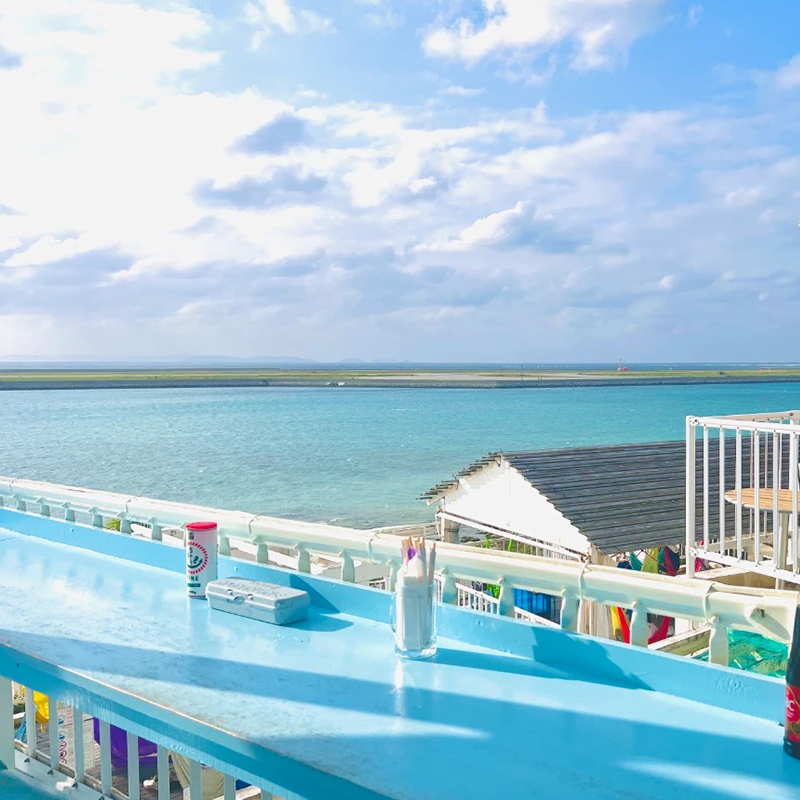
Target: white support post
pixel 348 567
pixel 706 493
pixel 162 773
pixel 505 606
pixel 793 475
pixel 229 787
pixel 756 484
pixel 738 486
pixel 77 735
pixel 449 590
pixel 640 630
pixel 722 503
pixel 393 567
pixel 133 767
pixel 718 643
pixel 52 730
pixel 570 608
pixel 303 559
pixel 195 780
pixel 156 532
pixel 691 536
pixel 262 553
pixel 30 723
pixel 6 723
pixel 105 758
pixel 777 519
pixel 224 546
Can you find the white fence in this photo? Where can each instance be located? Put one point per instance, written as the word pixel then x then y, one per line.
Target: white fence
pixel 770 612
pixel 742 492
pixel 61 752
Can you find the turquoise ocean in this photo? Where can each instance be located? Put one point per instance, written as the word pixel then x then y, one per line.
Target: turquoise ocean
pixel 351 456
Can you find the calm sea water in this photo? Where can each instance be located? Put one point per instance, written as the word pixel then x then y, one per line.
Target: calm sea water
pixel 353 456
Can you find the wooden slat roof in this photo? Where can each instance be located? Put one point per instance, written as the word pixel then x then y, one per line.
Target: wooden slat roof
pixel 622 497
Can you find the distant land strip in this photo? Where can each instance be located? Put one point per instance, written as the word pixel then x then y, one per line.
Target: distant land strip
pixel 384 379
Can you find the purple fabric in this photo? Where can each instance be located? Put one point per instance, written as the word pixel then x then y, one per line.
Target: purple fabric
pixel 119 747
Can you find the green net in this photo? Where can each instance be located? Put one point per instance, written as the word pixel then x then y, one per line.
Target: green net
pixel 755 653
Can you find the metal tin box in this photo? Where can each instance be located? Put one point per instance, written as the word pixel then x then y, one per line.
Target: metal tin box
pixel 267 602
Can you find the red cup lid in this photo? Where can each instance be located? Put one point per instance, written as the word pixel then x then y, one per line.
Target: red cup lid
pixel 201 526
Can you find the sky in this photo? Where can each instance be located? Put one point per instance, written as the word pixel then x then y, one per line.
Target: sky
pixel 422 180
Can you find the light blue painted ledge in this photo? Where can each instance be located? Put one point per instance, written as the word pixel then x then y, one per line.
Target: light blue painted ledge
pixel 323 709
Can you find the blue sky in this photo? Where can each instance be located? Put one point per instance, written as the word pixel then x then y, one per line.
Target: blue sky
pixel 427 180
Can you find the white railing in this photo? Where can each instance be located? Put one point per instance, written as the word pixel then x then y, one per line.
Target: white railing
pixel 770 612
pixel 60 751
pixel 467 597
pixel 742 492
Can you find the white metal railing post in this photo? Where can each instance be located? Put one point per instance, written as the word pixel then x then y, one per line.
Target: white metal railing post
pixel 777 527
pixel 640 630
pixel 738 487
pixel 706 493
pixel 505 605
pixel 691 534
pixel 793 475
pixel 30 723
pixel 6 723
pixel 718 643
pixel 97 517
pixel 133 767
pixel 449 591
pixel 570 609
pixel 303 559
pixel 348 567
pixel 155 529
pixel 105 757
pixel 77 734
pixel 756 484
pixel 52 730
pixel 162 772
pixel 195 780
pixel 722 506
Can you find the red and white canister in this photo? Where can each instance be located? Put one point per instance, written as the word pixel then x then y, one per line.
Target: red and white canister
pixel 201 557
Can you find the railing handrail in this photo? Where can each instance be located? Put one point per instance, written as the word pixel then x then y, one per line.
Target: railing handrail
pixel 723 606
pixel 750 422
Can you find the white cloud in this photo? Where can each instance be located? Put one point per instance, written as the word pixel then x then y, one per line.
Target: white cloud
pixel 521 226
pixel 49 249
pixel 743 196
pixel 267 15
pixel 369 223
pixel 788 76
pixel 599 31
pixel 694 14
pixel 463 91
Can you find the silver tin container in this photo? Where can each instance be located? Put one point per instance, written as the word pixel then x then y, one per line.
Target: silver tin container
pixel 259 600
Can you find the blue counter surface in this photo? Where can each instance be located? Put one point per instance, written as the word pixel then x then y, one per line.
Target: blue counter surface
pixel 323 709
